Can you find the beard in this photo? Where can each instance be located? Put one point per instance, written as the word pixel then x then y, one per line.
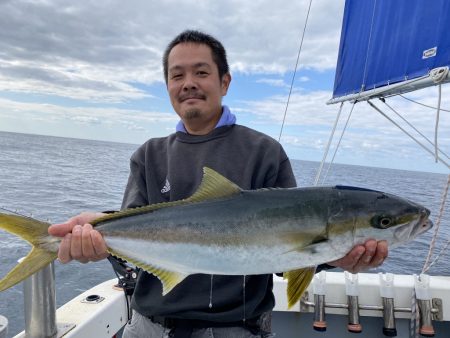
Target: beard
pixel 192 114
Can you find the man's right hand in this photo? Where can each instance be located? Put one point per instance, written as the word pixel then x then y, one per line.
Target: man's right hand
pixel 81 242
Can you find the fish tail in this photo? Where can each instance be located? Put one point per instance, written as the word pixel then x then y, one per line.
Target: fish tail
pixel 43 250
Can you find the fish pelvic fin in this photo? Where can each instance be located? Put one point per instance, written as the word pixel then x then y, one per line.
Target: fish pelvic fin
pixel 298 281
pixel 168 279
pixel 42 253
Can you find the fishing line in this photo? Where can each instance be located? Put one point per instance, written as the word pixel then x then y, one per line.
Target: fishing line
pixel 295 70
pixel 210 292
pixel 243 291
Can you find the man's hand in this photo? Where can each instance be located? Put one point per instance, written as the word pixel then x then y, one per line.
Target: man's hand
pixel 81 242
pixel 363 257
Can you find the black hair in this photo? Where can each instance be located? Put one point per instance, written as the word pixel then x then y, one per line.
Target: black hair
pixel 192 36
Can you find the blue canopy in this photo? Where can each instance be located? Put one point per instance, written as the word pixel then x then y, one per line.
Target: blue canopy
pixel 389 41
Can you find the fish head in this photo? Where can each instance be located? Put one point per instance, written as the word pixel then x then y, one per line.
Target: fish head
pixel 381 216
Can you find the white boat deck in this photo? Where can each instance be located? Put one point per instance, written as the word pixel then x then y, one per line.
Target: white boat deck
pixel 105 318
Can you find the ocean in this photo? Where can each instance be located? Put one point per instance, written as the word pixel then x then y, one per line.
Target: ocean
pixel 54 178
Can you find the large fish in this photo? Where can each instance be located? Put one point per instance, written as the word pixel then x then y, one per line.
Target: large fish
pixel 225 230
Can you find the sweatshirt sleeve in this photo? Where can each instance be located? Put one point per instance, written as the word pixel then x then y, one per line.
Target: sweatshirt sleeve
pixel 136 190
pixel 284 175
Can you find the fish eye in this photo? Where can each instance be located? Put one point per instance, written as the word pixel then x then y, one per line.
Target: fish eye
pixel 382 222
pixel 385 222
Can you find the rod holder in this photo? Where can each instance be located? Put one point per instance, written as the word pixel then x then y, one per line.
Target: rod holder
pixel 319 286
pixel 387 299
pixel 389 327
pixel 426 328
pixel 40 304
pixel 354 325
pixel 352 291
pixel 423 296
pixel 320 323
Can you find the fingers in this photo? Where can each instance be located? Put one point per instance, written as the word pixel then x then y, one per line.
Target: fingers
pixel 64 249
pixel 62 229
pixel 374 255
pixel 362 257
pixel 84 244
pixel 101 250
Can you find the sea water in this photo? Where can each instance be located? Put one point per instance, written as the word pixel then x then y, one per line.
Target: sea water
pixel 54 178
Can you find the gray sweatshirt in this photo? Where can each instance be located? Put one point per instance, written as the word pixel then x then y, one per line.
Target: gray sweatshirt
pixel 171 168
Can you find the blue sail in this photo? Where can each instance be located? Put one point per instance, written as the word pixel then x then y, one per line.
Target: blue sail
pixel 390 41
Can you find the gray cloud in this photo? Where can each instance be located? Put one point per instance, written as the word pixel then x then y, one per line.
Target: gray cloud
pixel 94 49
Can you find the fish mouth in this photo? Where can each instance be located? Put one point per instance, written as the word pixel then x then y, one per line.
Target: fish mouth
pixel 415 228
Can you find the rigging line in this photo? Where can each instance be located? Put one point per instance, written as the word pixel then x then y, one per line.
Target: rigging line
pixel 436 128
pixel 427 265
pixel 412 126
pixel 368 47
pixel 402 129
pixel 319 172
pixel 422 104
pixel 339 143
pixel 295 70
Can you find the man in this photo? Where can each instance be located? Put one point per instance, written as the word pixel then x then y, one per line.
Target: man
pixel 170 168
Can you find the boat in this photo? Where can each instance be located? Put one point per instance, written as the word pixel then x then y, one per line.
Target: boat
pixel 375 33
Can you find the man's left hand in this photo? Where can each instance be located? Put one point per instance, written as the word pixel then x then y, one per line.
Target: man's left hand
pixel 362 257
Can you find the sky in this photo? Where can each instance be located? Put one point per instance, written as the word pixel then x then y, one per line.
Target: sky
pixel 92 69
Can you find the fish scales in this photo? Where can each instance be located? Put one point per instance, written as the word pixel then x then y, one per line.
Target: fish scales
pixel 254 232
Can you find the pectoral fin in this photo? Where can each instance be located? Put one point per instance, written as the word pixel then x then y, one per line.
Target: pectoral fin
pixel 298 281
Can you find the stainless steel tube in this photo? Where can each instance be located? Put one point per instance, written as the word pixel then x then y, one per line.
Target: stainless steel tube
pixel 389 328
pixel 40 304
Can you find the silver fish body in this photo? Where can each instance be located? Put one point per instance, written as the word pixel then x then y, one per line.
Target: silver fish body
pixel 263 231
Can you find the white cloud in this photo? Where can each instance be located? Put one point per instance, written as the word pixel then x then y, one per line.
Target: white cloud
pixel 87 115
pixel 273 82
pixel 96 50
pixel 312 120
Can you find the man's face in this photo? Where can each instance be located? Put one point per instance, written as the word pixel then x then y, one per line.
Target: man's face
pixel 194 86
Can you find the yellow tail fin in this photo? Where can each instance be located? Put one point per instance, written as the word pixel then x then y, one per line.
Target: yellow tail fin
pixel 42 253
pixel 298 281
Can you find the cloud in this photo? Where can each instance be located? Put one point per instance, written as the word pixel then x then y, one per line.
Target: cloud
pixel 96 50
pixel 309 122
pixel 273 82
pixel 52 113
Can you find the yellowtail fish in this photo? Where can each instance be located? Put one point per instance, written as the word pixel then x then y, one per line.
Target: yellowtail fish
pixel 225 230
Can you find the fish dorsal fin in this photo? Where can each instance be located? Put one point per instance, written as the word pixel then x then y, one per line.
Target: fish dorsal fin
pixel 169 279
pixel 298 281
pixel 214 186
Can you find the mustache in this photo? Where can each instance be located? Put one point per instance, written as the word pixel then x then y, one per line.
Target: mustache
pixel 191 95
